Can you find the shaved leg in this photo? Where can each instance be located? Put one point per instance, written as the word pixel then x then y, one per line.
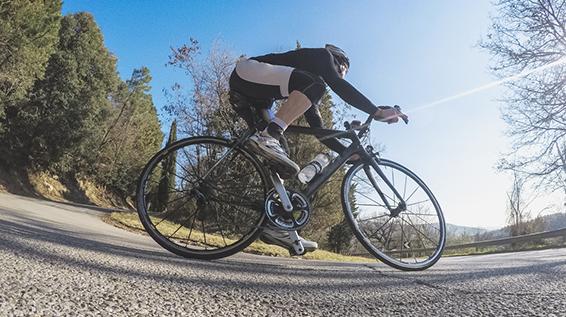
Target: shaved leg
pixel 294 107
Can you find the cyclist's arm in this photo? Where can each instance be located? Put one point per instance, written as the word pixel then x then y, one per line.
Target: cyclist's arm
pixel 341 87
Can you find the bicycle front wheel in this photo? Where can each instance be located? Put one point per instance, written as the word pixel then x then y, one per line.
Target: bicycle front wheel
pixel 202 198
pixel 409 237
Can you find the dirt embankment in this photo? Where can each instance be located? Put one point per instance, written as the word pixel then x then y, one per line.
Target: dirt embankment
pixel 57 188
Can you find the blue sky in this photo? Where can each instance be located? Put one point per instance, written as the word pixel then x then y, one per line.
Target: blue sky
pixel 409 53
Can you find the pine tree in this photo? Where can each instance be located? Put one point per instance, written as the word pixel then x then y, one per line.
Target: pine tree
pixel 168 172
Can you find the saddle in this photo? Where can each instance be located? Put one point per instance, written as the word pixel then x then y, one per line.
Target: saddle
pixel 255 112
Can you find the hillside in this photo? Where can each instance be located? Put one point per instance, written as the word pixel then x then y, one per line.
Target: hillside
pixel 56 188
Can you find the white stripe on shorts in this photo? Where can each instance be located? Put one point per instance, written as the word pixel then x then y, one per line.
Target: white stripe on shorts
pixel 264 73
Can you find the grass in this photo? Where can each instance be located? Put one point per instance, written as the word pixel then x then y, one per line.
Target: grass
pixel 130 220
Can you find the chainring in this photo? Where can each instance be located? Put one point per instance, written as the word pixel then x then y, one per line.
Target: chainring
pixel 282 219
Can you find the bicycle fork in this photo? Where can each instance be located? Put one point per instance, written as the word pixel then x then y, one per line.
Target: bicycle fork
pixel 298 247
pixel 401 206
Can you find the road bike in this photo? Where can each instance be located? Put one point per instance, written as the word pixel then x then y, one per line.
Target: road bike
pixel 209 197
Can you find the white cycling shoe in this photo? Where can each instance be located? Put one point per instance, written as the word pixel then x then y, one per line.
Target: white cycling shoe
pixel 282 238
pixel 268 147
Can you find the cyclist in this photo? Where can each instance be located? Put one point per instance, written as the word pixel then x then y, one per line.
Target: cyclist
pixel 301 77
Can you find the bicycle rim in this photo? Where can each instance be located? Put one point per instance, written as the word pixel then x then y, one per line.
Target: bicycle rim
pixel 413 239
pixel 209 205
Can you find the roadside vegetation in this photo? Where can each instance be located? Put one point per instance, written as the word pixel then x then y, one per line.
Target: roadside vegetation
pixel 66 117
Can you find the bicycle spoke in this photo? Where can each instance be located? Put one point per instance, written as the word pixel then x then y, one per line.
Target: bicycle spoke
pixel 164 218
pixel 191 230
pixel 390 234
pixel 409 241
pixel 418 202
pixel 204 234
pixel 401 244
pixel 405 188
pixel 171 235
pixel 177 199
pixel 424 235
pixel 382 225
pixel 372 205
pixel 406 200
pixel 369 198
pixel 418 235
pixel 431 225
pixel 373 218
pixel 375 187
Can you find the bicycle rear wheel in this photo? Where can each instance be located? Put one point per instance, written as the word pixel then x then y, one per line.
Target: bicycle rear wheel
pixel 202 198
pixel 410 240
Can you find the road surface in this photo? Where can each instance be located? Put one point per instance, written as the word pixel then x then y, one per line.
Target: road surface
pixel 58 259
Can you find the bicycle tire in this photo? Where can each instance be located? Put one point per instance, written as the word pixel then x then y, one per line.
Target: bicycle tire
pixel 194 249
pixel 374 244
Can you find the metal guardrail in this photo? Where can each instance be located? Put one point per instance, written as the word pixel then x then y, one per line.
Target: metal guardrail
pixel 486 243
pixel 523 238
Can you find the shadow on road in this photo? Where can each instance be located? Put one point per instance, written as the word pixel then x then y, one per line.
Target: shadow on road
pixel 49 241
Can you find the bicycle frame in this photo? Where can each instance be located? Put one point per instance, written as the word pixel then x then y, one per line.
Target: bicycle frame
pixel 264 115
pixel 355 148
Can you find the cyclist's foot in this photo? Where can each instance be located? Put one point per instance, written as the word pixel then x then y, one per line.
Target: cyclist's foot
pixel 267 146
pixel 283 239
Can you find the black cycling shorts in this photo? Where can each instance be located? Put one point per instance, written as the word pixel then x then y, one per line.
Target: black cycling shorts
pixel 266 81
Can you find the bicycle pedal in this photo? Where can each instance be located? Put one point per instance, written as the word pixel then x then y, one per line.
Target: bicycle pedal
pixel 293 253
pixel 298 248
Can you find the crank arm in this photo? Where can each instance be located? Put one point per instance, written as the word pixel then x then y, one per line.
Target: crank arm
pixel 280 189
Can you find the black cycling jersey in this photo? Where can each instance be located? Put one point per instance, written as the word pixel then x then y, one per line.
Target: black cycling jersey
pixel 319 61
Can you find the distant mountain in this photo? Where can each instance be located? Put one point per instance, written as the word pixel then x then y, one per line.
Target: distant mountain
pixel 456 230
pixel 549 222
pixel 555 221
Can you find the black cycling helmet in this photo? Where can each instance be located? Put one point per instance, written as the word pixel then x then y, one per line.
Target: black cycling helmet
pixel 339 55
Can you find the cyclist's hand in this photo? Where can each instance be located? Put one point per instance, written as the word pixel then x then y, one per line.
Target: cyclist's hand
pixel 390 114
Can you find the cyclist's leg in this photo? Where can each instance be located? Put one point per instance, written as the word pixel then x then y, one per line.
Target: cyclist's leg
pixel 306 89
pixel 262 81
pixel 265 81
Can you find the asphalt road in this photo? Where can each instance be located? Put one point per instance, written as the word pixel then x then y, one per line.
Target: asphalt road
pixel 57 259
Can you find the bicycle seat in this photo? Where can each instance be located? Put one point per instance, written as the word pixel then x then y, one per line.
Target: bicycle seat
pixel 242 100
pixel 253 110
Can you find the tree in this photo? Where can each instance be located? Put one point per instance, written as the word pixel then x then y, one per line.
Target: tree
pixel 524 36
pixel 132 135
pixel 59 125
pixel 340 237
pixel 28 35
pixel 517 213
pixel 168 172
pixel 204 109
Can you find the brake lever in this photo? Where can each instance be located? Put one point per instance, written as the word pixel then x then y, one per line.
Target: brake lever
pixel 403 116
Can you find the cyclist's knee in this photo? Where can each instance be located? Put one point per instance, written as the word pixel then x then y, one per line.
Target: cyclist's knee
pixel 309 84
